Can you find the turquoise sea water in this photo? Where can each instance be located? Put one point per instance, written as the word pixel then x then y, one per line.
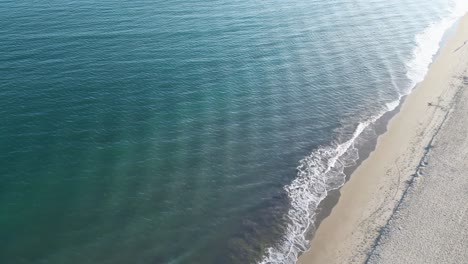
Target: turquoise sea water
pixel 172 131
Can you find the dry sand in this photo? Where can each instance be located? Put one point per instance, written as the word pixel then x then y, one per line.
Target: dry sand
pixel 431 223
pixel 393 210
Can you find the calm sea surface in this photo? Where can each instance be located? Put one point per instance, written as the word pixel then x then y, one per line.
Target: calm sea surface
pixel 171 131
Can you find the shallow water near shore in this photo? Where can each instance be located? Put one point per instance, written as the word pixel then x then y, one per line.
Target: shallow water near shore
pixel 166 132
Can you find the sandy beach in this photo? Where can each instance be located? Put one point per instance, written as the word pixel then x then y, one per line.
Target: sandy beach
pixel 406 203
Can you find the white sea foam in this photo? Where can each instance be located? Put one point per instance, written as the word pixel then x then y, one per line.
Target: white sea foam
pixel 393 105
pixel 322 171
pixel 318 173
pixel 428 44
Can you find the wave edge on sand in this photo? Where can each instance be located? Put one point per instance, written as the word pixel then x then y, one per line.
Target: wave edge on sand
pixel 387 175
pixel 322 171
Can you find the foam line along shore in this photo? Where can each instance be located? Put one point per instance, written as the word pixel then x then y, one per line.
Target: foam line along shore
pixel 323 170
pixel 368 200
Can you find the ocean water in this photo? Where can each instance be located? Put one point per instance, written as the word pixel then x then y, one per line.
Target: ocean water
pixel 192 131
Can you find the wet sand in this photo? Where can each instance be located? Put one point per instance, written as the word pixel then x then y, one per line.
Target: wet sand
pixel 385 211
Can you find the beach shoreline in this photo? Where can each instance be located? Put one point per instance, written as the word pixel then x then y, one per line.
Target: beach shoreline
pixel 376 187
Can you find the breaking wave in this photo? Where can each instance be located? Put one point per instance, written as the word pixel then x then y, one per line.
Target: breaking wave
pixel 322 171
